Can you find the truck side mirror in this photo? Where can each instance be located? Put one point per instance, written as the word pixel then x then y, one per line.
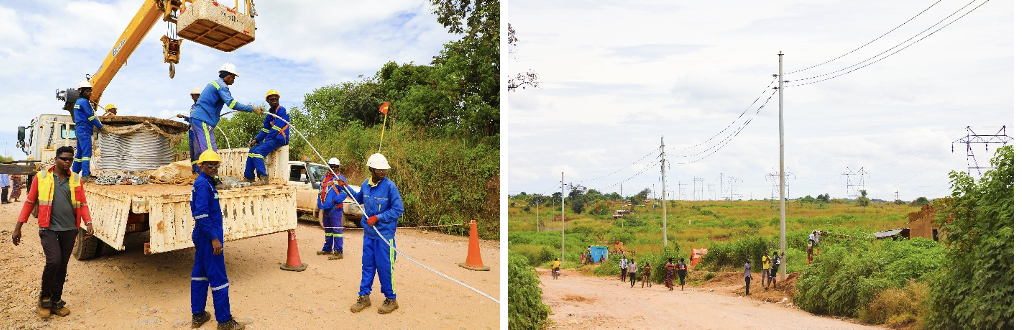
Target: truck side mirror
pixel 315 185
pixel 21 134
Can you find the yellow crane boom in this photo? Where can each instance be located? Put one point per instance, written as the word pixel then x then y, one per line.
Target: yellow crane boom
pixel 143 21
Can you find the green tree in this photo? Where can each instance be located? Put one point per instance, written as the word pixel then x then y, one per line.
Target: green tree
pixel 976 290
pixel 823 198
pixel 526 309
pixel 862 200
pixel 921 201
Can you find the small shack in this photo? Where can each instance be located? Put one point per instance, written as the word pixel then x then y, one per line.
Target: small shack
pixel 921 223
pixel 599 253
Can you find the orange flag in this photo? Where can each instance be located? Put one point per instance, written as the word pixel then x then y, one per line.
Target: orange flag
pixel 385 107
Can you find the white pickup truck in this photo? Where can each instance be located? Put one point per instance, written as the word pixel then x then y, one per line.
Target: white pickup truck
pixel 306 177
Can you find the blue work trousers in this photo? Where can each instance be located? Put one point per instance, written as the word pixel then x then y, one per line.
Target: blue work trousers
pixel 333 219
pixel 209 272
pixel 200 138
pixel 377 258
pixel 256 162
pixel 83 152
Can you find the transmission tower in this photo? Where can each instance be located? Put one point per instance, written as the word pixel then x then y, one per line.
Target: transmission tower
pixel 732 182
pixel 850 183
pixel 775 187
pixel 697 189
pixel 986 139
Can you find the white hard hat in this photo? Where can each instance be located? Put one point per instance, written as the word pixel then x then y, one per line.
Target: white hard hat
pixel 196 90
pixel 229 68
pixel 378 162
pixel 84 84
pixel 334 161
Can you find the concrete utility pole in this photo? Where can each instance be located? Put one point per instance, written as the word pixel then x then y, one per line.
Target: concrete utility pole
pixel 562 215
pixel 663 185
pixel 780 120
pixel 537 214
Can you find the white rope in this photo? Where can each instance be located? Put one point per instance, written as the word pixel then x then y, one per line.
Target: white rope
pixel 348 190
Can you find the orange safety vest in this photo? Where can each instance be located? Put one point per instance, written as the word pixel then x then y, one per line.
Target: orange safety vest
pixel 43 182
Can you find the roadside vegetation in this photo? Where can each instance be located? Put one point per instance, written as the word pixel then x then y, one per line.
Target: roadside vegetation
pixel 442 127
pixel 962 281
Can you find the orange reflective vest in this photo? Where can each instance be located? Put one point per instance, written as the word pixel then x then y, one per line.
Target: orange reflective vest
pixel 43 182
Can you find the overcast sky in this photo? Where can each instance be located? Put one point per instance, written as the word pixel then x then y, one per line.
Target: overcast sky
pixel 300 45
pixel 616 76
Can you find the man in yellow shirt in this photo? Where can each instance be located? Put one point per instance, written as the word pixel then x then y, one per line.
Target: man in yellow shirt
pixel 557 266
pixel 766 268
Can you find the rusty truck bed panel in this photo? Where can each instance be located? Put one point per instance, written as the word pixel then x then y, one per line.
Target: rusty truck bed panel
pixel 248 212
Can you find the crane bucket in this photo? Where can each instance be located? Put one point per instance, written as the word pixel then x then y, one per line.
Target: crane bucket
pixel 215 25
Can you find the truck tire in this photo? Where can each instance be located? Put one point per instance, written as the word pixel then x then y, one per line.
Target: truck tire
pixel 86 248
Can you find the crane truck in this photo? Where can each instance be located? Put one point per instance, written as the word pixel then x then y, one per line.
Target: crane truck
pixel 162 210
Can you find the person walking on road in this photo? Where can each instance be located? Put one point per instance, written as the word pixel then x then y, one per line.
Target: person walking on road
pixel 331 201
pixel 766 269
pixel 275 134
pixel 647 270
pixel 747 275
pixel 670 274
pixel 206 112
pixel 16 186
pixel 632 268
pixel 556 267
pixel 209 271
pixel 623 264
pixel 5 186
pixel 382 202
pixel 62 210
pixel 682 273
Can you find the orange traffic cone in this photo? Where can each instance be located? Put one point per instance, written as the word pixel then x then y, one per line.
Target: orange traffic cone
pixel 474 261
pixel 294 262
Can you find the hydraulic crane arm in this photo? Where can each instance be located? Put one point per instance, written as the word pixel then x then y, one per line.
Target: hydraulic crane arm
pixel 147 16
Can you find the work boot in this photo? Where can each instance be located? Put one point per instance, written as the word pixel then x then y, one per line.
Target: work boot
pixel 336 255
pixel 60 309
pixel 263 180
pixel 199 319
pixel 44 308
pixel 362 303
pixel 389 305
pixel 230 325
pixel 322 252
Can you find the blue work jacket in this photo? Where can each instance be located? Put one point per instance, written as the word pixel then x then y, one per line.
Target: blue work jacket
pixel 85 117
pixel 212 100
pixel 276 128
pixel 382 200
pixel 209 219
pixel 332 195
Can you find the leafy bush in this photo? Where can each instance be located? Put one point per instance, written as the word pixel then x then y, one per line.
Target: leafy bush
pixel 898 306
pixel 976 290
pixel 526 309
pixel 733 253
pixel 846 277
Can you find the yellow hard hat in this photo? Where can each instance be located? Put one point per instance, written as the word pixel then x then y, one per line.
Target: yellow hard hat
pixel 209 156
pixel 110 106
pixel 272 92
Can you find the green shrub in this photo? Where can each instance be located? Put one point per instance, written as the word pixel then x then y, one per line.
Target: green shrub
pixel 846 276
pixel 733 253
pixel 526 309
pixel 976 288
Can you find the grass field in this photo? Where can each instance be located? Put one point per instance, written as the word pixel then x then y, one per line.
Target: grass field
pixel 691 225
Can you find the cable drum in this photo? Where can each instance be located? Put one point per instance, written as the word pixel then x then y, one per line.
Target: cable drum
pixel 136 143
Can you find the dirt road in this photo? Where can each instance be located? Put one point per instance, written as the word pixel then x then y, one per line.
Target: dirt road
pixel 133 290
pixel 583 302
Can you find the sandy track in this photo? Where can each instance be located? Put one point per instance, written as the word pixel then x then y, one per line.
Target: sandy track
pixel 583 302
pixel 133 290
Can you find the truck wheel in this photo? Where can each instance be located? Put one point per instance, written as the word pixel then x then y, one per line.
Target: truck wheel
pixel 85 248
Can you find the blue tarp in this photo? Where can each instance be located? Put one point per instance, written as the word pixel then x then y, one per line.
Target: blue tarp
pixel 599 253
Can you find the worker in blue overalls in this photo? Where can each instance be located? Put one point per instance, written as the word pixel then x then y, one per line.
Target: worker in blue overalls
pixel 209 271
pixel 275 134
pixel 382 203
pixel 331 201
pixel 205 112
pixel 85 119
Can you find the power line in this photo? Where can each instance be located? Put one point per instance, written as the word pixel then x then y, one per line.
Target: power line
pixel 870 42
pixel 713 149
pixel 623 168
pixel 769 86
pixel 857 66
